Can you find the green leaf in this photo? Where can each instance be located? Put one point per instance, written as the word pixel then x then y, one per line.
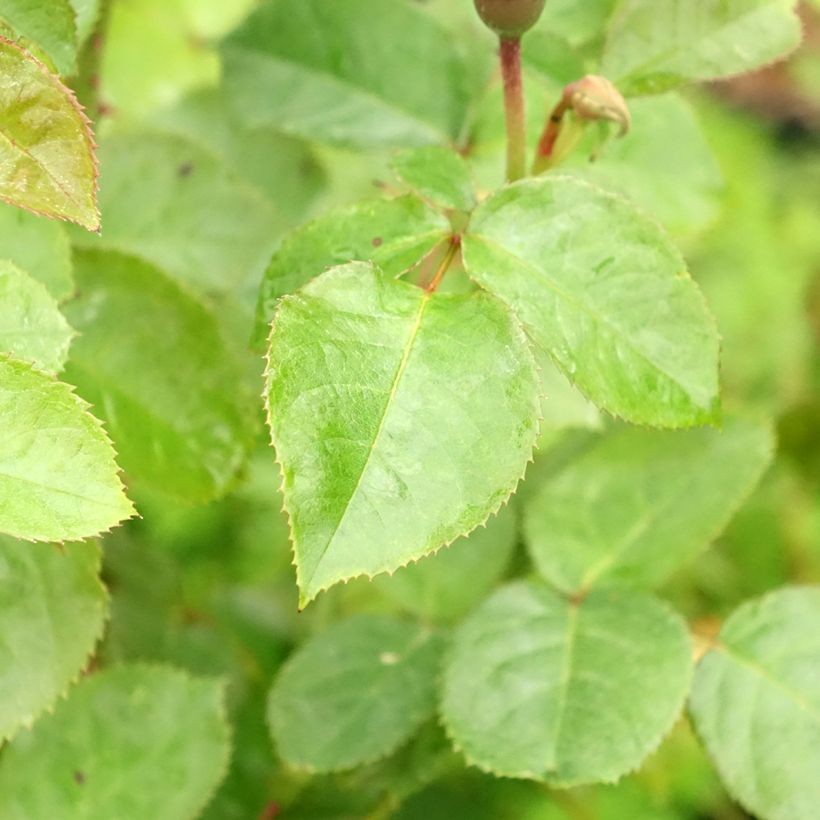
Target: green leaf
pixel 756 704
pixel 285 170
pixel 38 246
pixel 173 203
pixel 49 25
pixel 577 22
pixel 652 47
pixel 665 165
pixel 58 479
pixel 358 73
pixel 438 174
pixel 562 406
pixel 393 233
pixel 354 693
pixel 605 292
pixel 87 12
pixel 402 419
pixel 434 588
pixel 31 325
pixel 170 389
pixel 47 162
pixel 52 611
pixel 132 741
pixel 569 692
pixel 639 503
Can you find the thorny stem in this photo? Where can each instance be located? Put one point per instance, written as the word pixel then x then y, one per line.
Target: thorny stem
pixel 510 53
pixel 452 250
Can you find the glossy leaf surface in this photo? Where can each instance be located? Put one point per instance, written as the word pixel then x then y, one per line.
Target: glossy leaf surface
pixel 604 291
pixel 393 233
pixel 402 419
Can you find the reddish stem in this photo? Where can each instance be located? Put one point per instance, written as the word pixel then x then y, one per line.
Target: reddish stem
pixel 510 53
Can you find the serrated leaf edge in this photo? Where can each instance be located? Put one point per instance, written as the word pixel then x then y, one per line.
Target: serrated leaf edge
pixel 62 693
pixel 88 133
pixel 710 417
pixel 85 410
pixel 555 783
pixel 430 634
pixel 517 328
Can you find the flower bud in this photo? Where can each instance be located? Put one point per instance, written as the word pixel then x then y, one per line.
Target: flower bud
pixel 596 98
pixel 509 18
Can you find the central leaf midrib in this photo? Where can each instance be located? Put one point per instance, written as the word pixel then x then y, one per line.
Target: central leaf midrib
pixel 408 346
pixel 552 763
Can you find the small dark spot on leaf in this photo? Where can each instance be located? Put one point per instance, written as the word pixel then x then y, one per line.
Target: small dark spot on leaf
pixel 185 169
pixel 79 778
pixel 377 240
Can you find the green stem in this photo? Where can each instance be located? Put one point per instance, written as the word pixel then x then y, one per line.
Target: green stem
pixel 510 53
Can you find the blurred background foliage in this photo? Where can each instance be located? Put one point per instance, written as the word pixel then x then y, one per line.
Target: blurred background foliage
pixel 732 170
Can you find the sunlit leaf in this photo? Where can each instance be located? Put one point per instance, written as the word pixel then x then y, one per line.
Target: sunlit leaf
pixel 605 292
pixel 392 233
pixel 58 478
pixel 401 418
pixel 47 162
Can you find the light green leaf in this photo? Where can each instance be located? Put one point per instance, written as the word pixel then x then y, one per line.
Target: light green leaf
pixel 402 419
pixel 52 611
pixel 605 292
pixel 756 704
pixel 58 479
pixel 638 503
pixel 393 233
pixel 47 162
pixel 31 325
pixel 87 12
pixel 152 55
pixel 652 47
pixel 49 25
pixel 569 692
pixel 173 203
pixel 578 22
pixel 438 174
pixel 285 170
pixel 664 164
pixel 562 405
pixel 435 587
pixel 360 73
pixel 132 741
pixel 354 693
pixel 170 389
pixel 38 246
